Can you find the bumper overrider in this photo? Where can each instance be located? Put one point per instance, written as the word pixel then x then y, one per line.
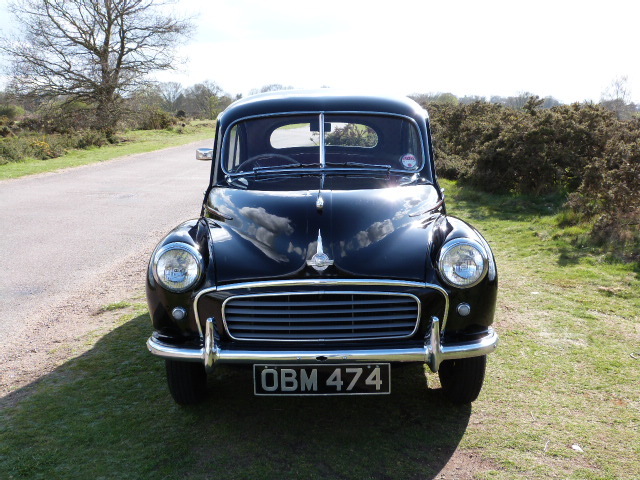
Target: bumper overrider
pixel 433 353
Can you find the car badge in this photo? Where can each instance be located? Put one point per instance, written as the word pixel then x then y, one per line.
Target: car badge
pixel 319 201
pixel 320 261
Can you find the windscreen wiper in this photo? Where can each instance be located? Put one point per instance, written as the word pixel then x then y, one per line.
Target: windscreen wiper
pixel 286 167
pixel 317 169
pixel 386 168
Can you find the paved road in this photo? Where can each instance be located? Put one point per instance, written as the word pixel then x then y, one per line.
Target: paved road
pixel 62 230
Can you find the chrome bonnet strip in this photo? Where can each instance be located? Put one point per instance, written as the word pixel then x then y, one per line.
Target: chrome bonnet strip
pixel 323 155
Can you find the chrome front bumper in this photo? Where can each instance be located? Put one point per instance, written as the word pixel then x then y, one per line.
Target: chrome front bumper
pixel 432 353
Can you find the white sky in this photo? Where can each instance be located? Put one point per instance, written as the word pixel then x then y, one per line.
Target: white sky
pixel 568 49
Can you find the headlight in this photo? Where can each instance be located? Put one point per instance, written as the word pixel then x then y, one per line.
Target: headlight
pixel 177 266
pixel 463 263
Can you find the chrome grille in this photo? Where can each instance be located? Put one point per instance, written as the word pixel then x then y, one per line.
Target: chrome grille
pixel 321 316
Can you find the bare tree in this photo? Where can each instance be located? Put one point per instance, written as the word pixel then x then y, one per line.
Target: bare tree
pixel 91 50
pixel 617 97
pixel 200 99
pixel 438 97
pixel 272 87
pixel 172 94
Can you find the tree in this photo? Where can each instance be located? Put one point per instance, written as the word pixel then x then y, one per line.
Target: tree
pixel 172 94
pixel 198 99
pixel 467 99
pixel 94 51
pixel 617 98
pixel 273 87
pixel 431 98
pixel 550 102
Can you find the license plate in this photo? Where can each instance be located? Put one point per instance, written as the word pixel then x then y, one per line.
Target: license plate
pixel 342 379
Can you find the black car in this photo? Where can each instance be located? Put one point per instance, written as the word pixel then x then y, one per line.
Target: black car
pixel 323 253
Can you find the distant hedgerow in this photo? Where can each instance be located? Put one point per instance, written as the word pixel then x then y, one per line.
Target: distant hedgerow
pixel 44 147
pixel 582 151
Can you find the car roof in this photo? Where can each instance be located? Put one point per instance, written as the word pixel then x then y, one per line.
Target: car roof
pixel 322 100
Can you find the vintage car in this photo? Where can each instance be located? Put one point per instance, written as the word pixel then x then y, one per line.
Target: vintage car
pixel 322 255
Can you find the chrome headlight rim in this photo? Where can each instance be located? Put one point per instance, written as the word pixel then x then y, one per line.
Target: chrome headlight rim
pixel 448 246
pixel 186 248
pixel 492 270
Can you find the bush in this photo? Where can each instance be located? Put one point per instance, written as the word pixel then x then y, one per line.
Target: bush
pixel 529 150
pixel 155 119
pixel 12 150
pixel 64 118
pixel 582 151
pixel 42 150
pixel 43 147
pixel 90 138
pixel 610 192
pixel 11 112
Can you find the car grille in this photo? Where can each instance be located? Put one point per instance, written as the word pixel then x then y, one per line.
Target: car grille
pixel 321 316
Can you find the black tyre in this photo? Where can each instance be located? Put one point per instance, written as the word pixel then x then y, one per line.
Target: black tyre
pixel 187 381
pixel 462 379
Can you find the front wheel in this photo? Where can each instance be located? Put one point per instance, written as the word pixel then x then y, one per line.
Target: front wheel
pixel 187 381
pixel 462 378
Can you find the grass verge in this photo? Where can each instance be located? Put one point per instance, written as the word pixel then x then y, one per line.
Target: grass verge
pixel 562 377
pixel 135 141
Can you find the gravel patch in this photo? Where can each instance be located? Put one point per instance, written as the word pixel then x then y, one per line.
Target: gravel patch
pixel 61 330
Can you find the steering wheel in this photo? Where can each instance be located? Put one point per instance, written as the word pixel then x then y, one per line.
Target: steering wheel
pixel 266 160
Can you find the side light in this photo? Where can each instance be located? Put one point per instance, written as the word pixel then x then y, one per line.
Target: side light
pixel 179 313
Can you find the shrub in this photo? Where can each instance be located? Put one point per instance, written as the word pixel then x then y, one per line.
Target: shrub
pixel 610 192
pixel 64 118
pixel 12 150
pixel 90 138
pixel 6 127
pixel 41 149
pixel 11 112
pixel 579 150
pixel 155 119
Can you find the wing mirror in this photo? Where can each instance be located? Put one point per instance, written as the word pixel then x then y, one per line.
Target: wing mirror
pixel 204 154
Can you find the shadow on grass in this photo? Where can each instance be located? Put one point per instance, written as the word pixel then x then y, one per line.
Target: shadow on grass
pixel 568 257
pixel 108 414
pixel 481 205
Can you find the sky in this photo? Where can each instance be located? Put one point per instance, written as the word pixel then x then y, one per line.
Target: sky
pixel 571 50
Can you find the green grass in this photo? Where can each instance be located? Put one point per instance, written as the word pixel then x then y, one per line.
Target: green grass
pixel 115 306
pixel 562 376
pixel 136 141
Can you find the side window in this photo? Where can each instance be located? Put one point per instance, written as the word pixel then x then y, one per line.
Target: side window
pixel 413 141
pixel 234 149
pixel 217 146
